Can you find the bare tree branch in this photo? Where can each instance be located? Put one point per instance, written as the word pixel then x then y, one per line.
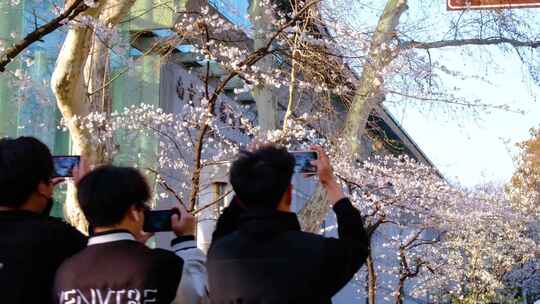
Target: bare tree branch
pixel 413 238
pixel 472 41
pixel 166 186
pixel 212 203
pixel 69 14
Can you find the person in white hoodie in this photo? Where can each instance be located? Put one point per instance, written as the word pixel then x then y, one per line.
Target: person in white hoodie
pixel 116 266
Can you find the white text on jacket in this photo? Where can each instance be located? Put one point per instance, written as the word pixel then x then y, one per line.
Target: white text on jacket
pixel 109 296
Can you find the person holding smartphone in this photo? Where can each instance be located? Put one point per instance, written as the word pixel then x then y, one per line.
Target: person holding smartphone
pixel 258 252
pixel 116 266
pixel 32 244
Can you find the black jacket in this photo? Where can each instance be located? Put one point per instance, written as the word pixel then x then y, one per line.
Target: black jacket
pixel 32 247
pixel 116 269
pixel 265 258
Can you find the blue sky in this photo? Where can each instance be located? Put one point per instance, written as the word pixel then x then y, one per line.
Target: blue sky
pixel 478 149
pixel 469 149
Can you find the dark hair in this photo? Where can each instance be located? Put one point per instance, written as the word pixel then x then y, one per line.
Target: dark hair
pixel 24 163
pixel 106 194
pixel 260 178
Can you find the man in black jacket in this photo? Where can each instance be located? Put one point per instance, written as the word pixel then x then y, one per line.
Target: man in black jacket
pixel 115 268
pixel 260 255
pixel 32 244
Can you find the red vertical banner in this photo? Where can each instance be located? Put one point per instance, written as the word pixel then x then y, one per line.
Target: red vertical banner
pixel 491 4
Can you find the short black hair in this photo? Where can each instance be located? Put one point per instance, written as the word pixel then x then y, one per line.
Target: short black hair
pixel 106 193
pixel 260 178
pixel 24 163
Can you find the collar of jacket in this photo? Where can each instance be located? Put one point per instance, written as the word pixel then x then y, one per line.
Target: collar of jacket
pixel 111 236
pixel 264 223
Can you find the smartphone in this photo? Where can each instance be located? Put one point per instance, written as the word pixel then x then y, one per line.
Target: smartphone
pixel 63 165
pixel 303 161
pixel 158 220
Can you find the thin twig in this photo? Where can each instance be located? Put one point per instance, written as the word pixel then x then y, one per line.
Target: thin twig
pixel 122 72
pixel 166 186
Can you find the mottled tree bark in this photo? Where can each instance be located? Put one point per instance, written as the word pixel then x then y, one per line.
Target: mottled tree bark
pixel 79 69
pixel 372 279
pixel 367 95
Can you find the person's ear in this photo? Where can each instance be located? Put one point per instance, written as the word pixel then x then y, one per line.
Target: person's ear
pixel 135 213
pixel 289 194
pixel 45 189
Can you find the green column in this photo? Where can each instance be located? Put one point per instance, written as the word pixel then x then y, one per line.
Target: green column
pixel 154 14
pixel 8 109
pixel 140 85
pixel 11 21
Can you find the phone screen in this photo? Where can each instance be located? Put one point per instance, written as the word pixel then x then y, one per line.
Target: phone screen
pixel 63 165
pixel 303 161
pixel 158 220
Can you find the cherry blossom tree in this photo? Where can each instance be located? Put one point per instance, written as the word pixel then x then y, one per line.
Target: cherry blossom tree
pixel 442 237
pixel 81 80
pixel 396 59
pixel 489 239
pixel 524 193
pixel 462 243
pixel 319 42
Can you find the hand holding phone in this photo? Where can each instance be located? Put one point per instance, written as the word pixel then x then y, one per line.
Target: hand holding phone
pixel 184 223
pixel 80 170
pixel 326 176
pixel 159 220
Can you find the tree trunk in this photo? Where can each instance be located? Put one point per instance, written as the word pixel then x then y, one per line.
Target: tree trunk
pixel 295 54
pixel 97 76
pixel 366 288
pixel 401 286
pixel 368 94
pixel 265 96
pixel 402 276
pixel 399 292
pixel 69 90
pixel 292 85
pixel 79 58
pixel 372 279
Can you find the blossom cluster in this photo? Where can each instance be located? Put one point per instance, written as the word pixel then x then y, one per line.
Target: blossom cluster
pixel 450 234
